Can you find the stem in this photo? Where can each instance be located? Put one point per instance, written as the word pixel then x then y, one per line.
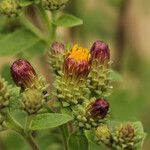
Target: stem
pixel 33 28
pixel 53 26
pixel 64 135
pixel 32 142
pixel 25 133
pixel 13 124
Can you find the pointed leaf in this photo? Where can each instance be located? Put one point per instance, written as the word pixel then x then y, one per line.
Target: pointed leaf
pixel 15 42
pixel 68 21
pixel 49 120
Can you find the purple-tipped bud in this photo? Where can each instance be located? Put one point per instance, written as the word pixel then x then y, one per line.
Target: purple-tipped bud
pixel 57 48
pixel 23 73
pixel 99 108
pixel 100 51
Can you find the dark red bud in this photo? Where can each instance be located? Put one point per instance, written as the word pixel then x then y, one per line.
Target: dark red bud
pixel 100 51
pixel 99 108
pixel 23 73
pixel 57 48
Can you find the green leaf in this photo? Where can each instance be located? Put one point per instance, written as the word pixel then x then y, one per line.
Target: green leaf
pixel 78 142
pixel 37 49
pixel 49 120
pixel 5 73
pixel 90 134
pixel 25 3
pixel 15 42
pixel 115 76
pixel 68 21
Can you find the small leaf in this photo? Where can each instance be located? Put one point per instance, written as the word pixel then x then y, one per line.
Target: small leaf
pixel 49 120
pixel 15 42
pixel 25 3
pixel 68 21
pixel 115 76
pixel 90 134
pixel 78 142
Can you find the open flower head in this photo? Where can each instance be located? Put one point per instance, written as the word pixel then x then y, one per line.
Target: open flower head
pixel 77 62
pixel 23 73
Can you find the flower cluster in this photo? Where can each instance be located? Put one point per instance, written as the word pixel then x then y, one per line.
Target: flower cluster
pixel 124 136
pixel 33 87
pixel 74 82
pixel 12 8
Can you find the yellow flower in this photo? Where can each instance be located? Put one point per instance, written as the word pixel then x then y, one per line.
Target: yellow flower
pixel 77 62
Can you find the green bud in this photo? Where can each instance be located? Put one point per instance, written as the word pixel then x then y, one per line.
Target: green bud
pixel 11 8
pixel 32 100
pixel 103 134
pixel 126 137
pixel 54 4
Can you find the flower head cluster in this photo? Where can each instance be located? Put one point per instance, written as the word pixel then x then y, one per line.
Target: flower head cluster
pixel 125 136
pixel 99 77
pixel 74 84
pixel 34 88
pixel 91 113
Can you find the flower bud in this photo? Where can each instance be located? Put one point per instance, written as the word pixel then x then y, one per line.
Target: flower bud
pixel 125 137
pixel 54 4
pixel 100 51
pixel 57 48
pixel 32 100
pixel 126 131
pixel 56 59
pixel 23 73
pixel 77 63
pixel 99 108
pixel 11 8
pixel 103 134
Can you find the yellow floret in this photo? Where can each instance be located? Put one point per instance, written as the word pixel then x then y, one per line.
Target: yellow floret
pixel 79 53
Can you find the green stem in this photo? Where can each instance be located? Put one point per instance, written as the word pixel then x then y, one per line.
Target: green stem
pixel 33 28
pixel 32 142
pixel 25 133
pixel 54 15
pixel 13 124
pixel 64 136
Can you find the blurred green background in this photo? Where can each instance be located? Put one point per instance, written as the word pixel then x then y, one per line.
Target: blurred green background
pixel 125 26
